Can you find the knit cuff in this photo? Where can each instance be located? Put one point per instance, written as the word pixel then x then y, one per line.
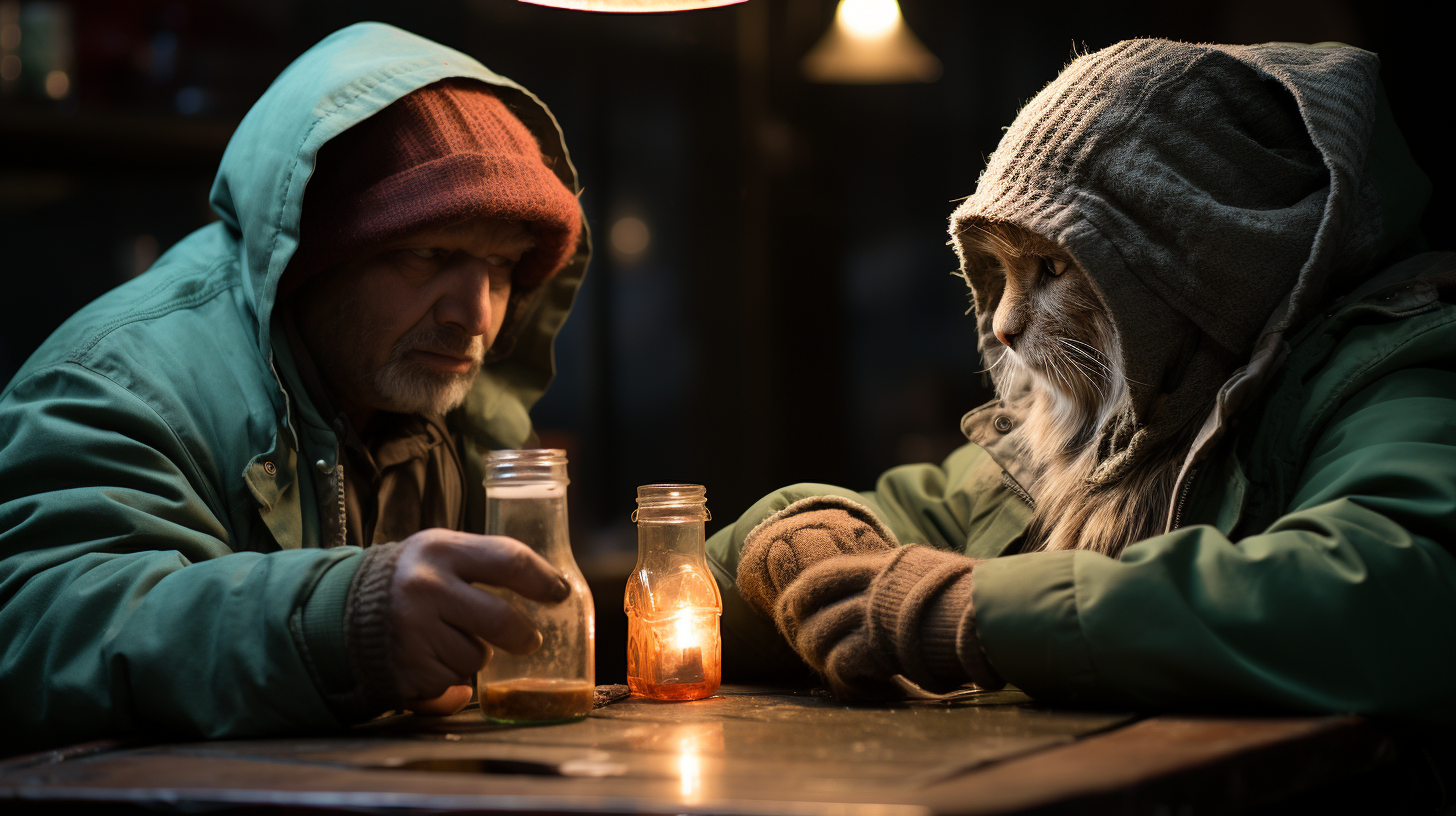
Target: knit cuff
pixel 320 632
pixel 369 629
pixel 921 611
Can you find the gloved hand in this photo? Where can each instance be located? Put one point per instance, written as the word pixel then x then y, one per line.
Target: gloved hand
pixel 860 619
pixel 417 629
pixel 808 531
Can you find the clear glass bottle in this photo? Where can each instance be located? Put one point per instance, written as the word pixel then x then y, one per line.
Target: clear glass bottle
pixel 525 498
pixel 674 648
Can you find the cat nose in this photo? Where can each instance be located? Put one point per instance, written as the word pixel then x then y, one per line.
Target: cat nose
pixel 1006 337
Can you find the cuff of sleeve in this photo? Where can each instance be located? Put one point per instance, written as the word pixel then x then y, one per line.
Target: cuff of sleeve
pixel 368 630
pixel 1028 622
pixel 322 626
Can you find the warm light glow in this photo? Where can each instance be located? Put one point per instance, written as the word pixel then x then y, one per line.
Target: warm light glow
pixel 57 84
pixel 675 658
pixel 685 635
pixel 869 43
pixel 10 36
pixel 9 67
pixel 630 236
pixel 632 5
pixel 868 18
pixel 690 770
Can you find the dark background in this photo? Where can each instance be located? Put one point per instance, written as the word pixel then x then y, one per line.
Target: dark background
pixel 794 316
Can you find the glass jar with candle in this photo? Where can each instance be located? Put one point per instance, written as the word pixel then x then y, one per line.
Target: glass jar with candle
pixel 674 651
pixel 525 498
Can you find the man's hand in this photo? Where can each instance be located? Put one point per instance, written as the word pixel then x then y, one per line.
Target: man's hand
pixel 444 628
pixel 419 629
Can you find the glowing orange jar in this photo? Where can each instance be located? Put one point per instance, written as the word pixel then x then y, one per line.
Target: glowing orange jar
pixel 674 650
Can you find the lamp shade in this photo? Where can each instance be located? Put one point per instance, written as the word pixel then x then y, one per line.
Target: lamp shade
pixel 633 5
pixel 868 44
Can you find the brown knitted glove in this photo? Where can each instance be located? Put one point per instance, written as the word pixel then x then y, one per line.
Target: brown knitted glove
pixel 824 615
pixel 920 611
pixel 808 531
pixel 861 619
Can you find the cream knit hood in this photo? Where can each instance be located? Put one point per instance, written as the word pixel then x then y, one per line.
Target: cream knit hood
pixel 1216 195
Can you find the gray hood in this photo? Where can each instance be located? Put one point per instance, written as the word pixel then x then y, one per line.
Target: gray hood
pixel 1216 195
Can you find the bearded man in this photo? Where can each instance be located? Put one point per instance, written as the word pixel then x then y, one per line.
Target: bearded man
pixel 242 493
pixel 1221 471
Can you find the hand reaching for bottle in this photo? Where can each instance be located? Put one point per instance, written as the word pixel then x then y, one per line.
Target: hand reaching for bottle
pixel 418 628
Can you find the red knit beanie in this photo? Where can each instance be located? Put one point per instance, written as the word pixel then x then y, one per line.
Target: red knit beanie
pixel 443 154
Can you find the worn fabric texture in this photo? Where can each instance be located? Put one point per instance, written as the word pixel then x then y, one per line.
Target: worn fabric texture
pixel 171 497
pixel 444 153
pixel 859 619
pixel 1313 566
pixel 1214 194
pixel 806 532
pixel 824 614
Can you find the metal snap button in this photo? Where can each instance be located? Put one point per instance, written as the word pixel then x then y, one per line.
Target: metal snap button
pixel 270 468
pixel 1002 423
pixel 323 467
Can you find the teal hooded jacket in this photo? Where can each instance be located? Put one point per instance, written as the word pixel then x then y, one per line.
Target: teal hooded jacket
pixel 160 559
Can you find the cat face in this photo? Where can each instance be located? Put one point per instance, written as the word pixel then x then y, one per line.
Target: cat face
pixel 1053 331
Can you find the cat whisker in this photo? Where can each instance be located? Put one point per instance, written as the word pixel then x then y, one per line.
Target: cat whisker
pixel 1090 363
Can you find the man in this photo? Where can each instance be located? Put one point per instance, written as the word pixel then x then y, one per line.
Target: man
pixel 240 494
pixel 1221 471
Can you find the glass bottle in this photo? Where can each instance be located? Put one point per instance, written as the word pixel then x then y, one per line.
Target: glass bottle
pixel 525 498
pixel 674 649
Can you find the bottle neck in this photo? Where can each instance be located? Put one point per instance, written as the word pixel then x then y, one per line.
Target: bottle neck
pixel 667 538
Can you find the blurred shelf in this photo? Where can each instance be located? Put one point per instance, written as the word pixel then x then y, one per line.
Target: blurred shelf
pixel 39 139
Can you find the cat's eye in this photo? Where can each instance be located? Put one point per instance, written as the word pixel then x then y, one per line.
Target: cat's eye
pixel 428 253
pixel 1052 267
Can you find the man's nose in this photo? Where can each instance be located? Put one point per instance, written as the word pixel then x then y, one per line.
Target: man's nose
pixel 466 303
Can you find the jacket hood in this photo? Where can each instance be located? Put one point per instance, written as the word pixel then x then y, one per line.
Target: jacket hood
pixel 343 80
pixel 1216 196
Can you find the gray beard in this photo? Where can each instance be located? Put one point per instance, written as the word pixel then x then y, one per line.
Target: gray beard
pixel 413 389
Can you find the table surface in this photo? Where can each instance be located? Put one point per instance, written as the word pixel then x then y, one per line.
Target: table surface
pixel 743 751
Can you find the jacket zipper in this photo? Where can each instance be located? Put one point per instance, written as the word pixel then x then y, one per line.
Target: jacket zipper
pixel 1183 498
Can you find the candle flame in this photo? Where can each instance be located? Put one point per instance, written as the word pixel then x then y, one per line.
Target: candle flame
pixel 685 635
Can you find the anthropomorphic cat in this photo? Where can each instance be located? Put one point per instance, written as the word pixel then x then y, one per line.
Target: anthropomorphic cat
pixel 1221 468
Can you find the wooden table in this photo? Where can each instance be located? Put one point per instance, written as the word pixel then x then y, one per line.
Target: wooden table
pixel 745 751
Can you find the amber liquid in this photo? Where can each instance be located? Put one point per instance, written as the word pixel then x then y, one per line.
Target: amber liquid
pixel 537 700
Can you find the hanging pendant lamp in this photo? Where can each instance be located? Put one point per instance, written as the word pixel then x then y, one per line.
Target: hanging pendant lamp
pixel 633 5
pixel 869 44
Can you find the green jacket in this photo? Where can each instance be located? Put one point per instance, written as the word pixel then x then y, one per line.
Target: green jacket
pixel 161 466
pixel 1234 207
pixel 1313 568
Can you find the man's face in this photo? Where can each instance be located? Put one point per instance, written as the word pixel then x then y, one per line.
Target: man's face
pixel 406 330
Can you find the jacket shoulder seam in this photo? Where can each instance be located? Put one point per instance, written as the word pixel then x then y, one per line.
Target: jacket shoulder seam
pixel 196 299
pixel 195 471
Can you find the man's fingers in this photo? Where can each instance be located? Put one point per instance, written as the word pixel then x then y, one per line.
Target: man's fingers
pixel 503 562
pixel 454 699
pixel 460 652
pixel 483 614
